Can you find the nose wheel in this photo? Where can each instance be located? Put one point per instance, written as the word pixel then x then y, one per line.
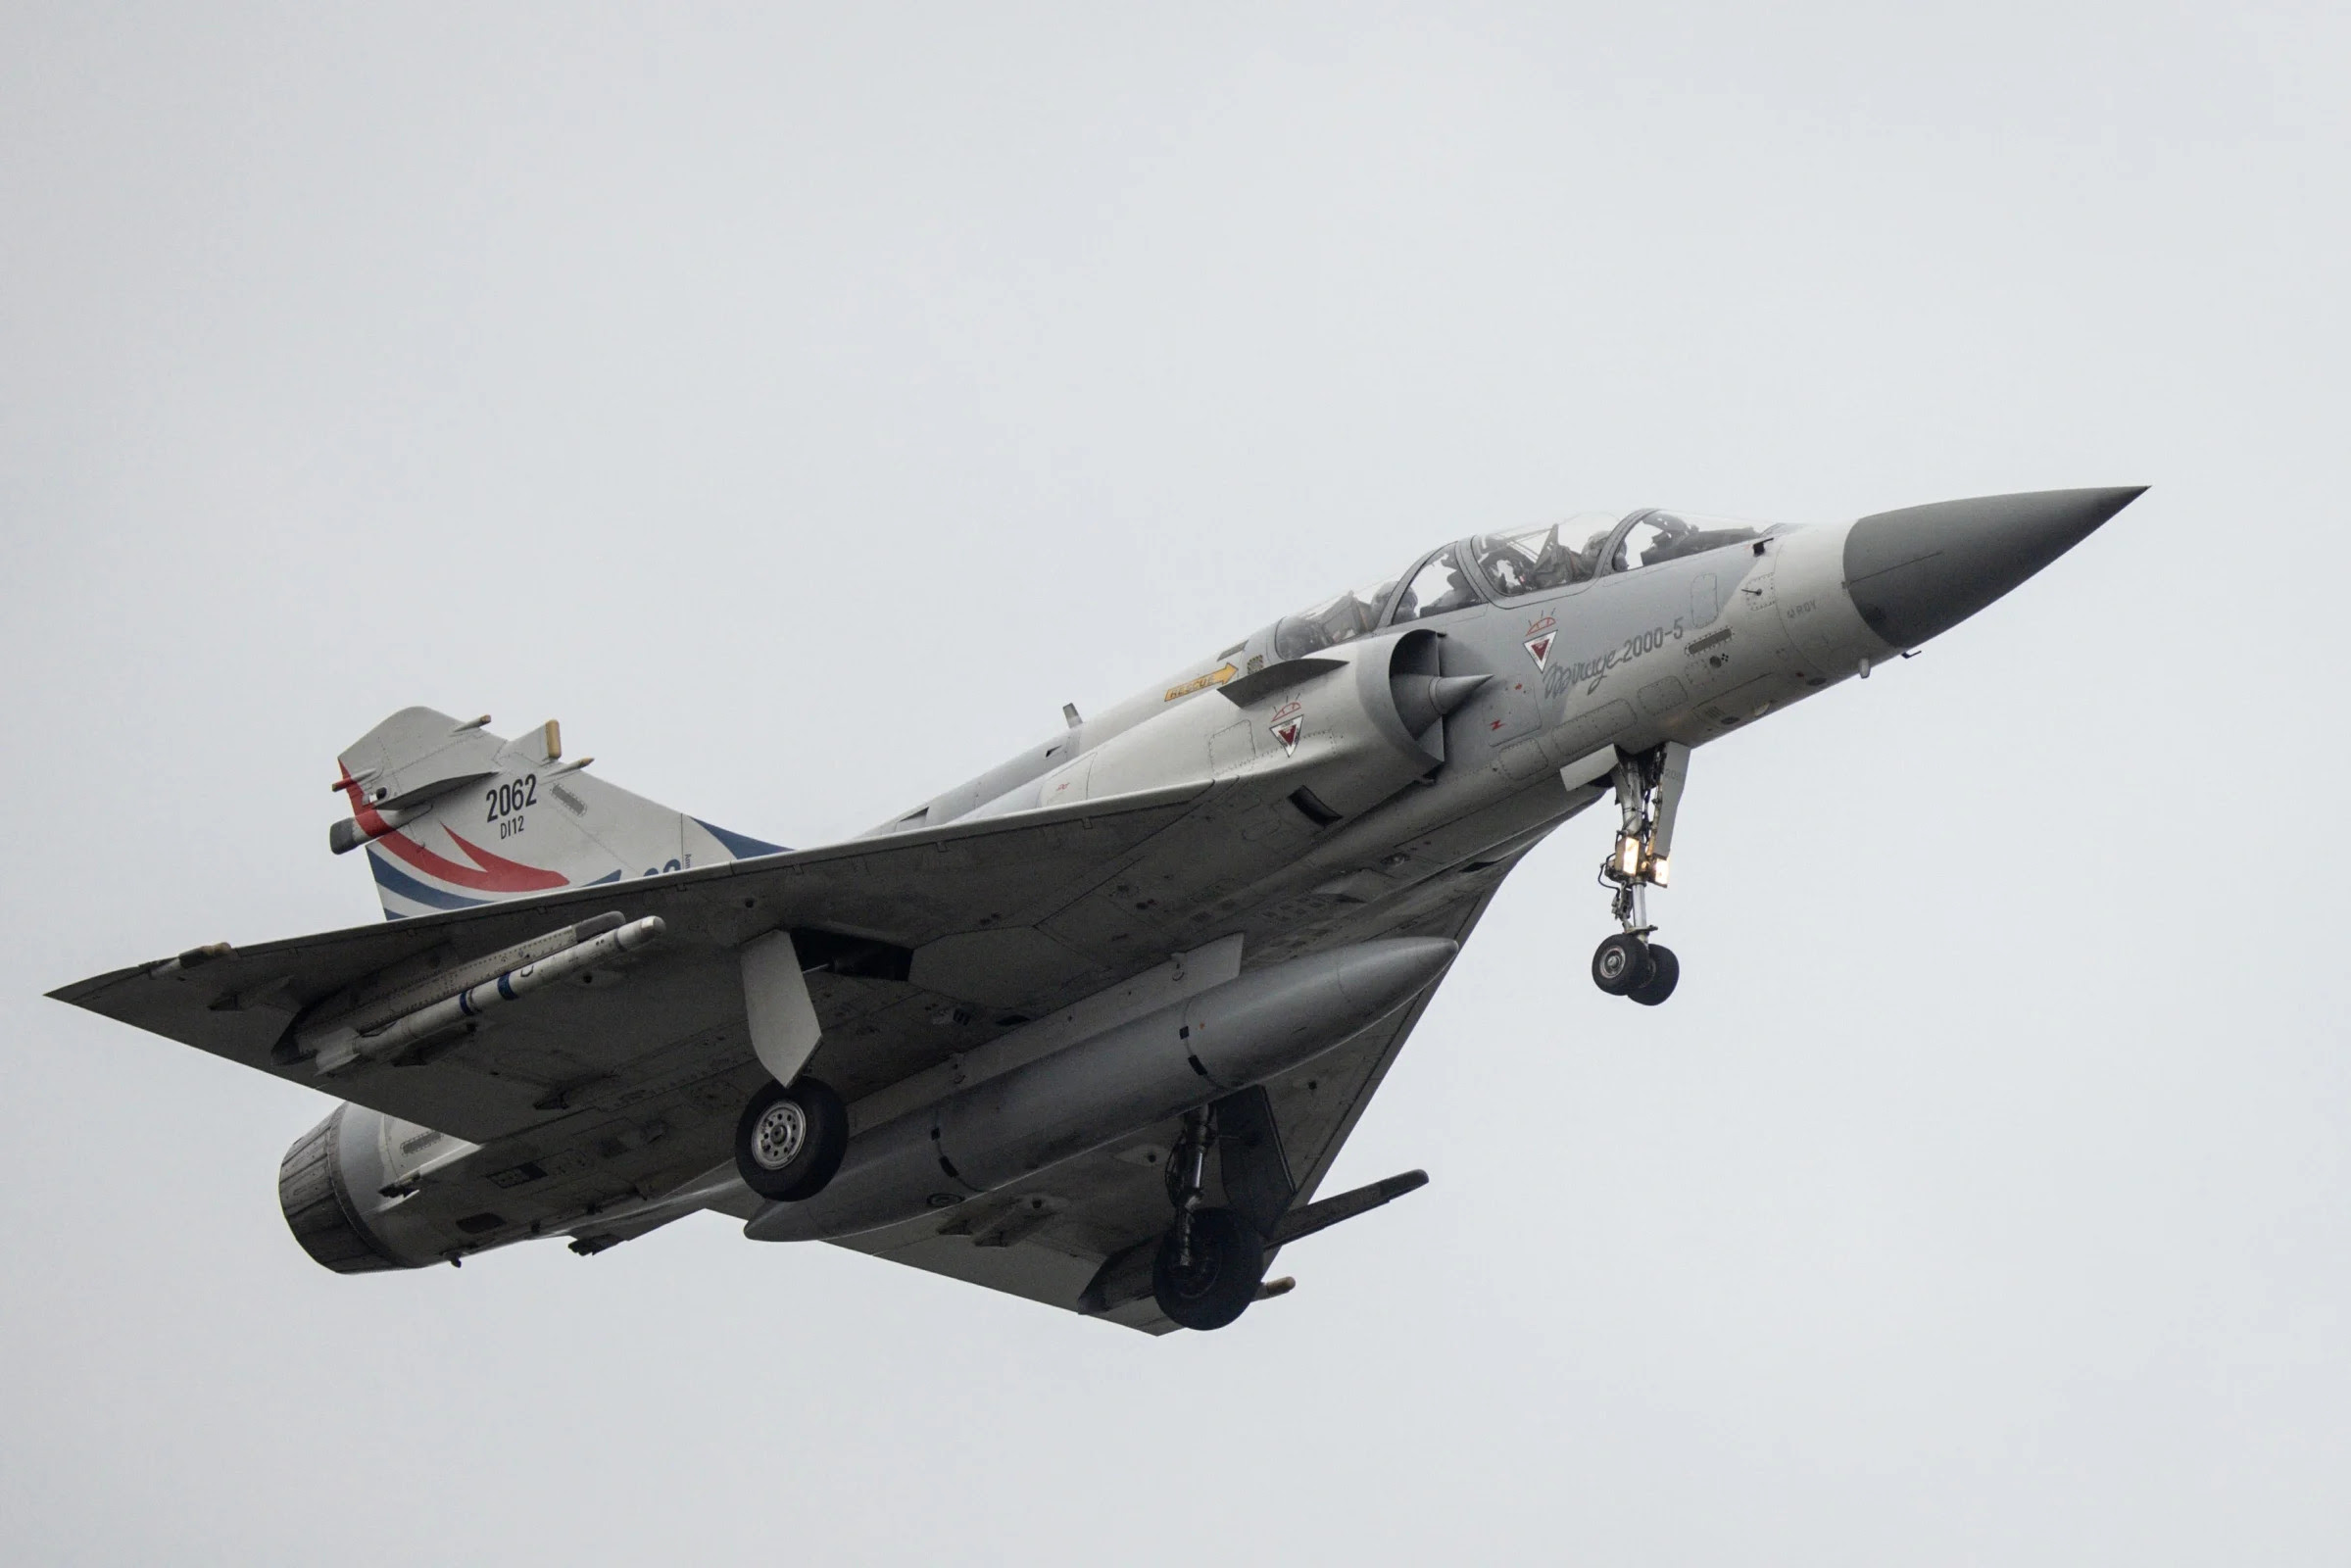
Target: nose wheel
pixel 1649 797
pixel 1628 964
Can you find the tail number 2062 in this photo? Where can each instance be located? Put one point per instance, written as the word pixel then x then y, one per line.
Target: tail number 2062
pixel 507 800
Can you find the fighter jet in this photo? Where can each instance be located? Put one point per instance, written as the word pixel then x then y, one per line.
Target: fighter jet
pixel 1089 1028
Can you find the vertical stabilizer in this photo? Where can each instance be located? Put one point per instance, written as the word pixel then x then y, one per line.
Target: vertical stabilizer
pixel 452 816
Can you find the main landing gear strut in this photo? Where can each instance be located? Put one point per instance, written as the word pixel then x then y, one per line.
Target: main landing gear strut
pixel 1648 795
pixel 1209 1263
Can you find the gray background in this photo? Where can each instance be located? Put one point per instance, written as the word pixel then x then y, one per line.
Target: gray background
pixel 803 406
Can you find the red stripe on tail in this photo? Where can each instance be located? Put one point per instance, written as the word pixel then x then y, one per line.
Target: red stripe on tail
pixel 490 873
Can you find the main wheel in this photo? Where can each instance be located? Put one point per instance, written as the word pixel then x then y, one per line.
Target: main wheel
pixel 790 1140
pixel 1228 1258
pixel 1620 963
pixel 1666 971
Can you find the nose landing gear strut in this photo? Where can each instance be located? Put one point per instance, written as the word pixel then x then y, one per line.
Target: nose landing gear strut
pixel 1648 796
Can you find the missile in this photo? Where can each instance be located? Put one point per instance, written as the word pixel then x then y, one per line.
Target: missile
pixel 469 992
pixel 318 1036
pixel 1110 1086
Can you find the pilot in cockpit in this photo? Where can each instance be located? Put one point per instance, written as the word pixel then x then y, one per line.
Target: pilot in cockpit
pixel 1539 560
pixel 1438 587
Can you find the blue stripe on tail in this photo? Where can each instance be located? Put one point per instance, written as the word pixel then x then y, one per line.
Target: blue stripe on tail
pixel 742 846
pixel 392 879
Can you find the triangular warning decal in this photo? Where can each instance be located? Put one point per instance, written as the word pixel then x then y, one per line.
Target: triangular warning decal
pixel 1288 732
pixel 1540 648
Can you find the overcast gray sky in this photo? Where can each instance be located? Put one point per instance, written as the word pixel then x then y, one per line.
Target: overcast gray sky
pixel 803 403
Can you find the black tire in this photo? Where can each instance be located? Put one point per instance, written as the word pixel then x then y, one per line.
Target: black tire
pixel 1665 973
pixel 792 1157
pixel 1228 1260
pixel 1620 963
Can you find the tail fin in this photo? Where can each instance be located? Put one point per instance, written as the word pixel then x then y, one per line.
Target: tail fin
pixel 453 817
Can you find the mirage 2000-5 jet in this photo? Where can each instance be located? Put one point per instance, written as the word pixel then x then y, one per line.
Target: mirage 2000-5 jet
pixel 1089 1028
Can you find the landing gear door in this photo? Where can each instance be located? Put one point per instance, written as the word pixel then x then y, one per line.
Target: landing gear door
pixel 1257 1172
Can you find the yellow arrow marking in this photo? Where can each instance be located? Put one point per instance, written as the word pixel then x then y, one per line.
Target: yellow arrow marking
pixel 1214 677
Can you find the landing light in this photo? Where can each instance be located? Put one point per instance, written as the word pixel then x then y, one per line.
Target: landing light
pixel 1627 856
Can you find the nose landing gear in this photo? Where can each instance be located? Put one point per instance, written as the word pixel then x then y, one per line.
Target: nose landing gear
pixel 1621 963
pixel 1648 796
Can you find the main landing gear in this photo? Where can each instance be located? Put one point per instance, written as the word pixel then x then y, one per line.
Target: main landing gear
pixel 1211 1260
pixel 790 1140
pixel 1648 795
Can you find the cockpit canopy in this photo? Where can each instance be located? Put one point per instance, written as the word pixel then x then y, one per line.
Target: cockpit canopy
pixel 1335 620
pixel 1498 567
pixel 1539 560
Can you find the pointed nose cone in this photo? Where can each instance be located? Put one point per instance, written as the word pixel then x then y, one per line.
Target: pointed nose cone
pixel 1925 570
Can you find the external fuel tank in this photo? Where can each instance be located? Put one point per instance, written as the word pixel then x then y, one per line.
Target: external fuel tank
pixel 1110 1087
